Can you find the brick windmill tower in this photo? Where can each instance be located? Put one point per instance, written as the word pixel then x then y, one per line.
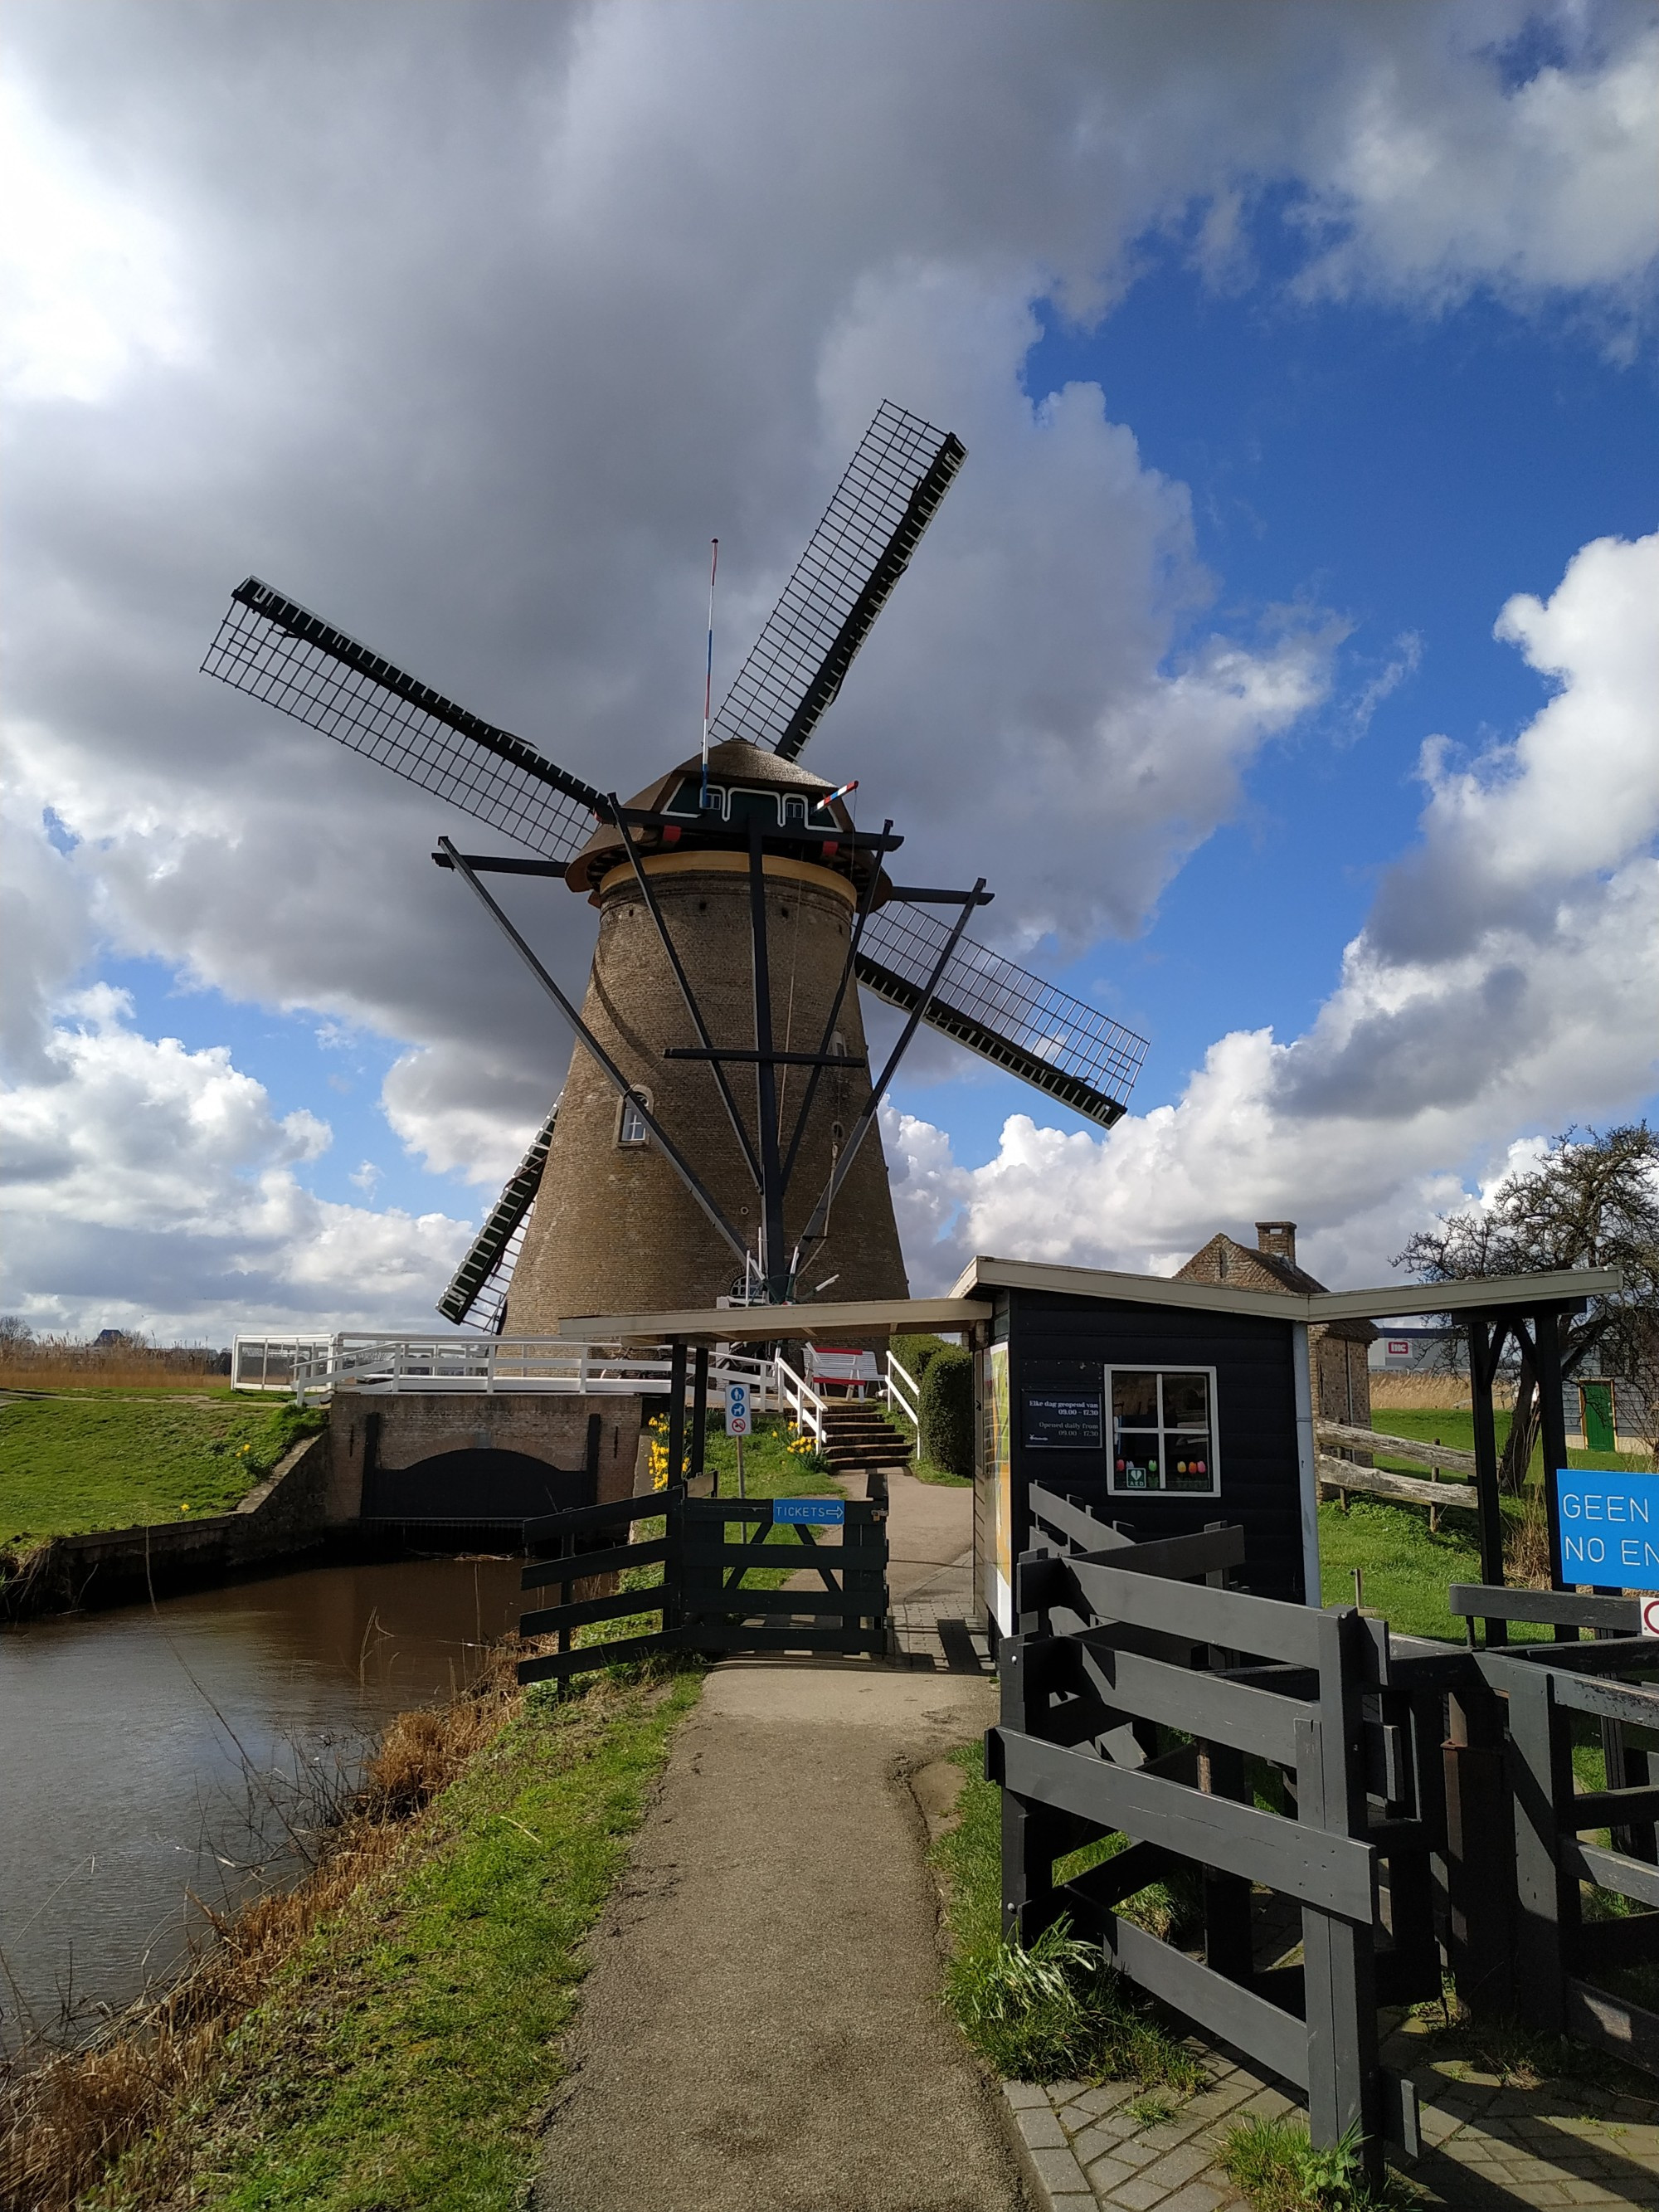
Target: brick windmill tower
pixel 716 1133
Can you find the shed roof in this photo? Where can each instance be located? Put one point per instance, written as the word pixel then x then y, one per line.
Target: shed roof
pixel 1491 1293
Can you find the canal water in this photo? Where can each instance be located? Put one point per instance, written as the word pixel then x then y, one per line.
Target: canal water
pixel 153 1755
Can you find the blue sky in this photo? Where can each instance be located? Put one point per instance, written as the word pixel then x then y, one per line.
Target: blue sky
pixel 1409 471
pixel 1290 357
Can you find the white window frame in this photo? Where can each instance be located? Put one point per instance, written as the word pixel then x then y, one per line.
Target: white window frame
pixel 1160 1368
pixel 636 1093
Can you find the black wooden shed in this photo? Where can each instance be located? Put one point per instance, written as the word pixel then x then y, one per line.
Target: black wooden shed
pixel 1163 1406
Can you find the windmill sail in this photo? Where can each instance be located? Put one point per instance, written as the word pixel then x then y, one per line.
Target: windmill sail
pixel 896 480
pixel 278 651
pixel 479 1286
pixel 1034 1030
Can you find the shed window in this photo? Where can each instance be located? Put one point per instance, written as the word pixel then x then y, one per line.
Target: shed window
pixel 632 1128
pixel 1163 1430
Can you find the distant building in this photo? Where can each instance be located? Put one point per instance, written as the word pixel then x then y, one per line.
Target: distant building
pixel 1409 1350
pixel 1337 1351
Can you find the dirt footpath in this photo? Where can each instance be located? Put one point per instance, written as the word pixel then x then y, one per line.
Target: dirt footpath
pixel 762 2030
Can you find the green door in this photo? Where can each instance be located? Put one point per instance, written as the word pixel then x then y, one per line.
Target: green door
pixel 1596 1398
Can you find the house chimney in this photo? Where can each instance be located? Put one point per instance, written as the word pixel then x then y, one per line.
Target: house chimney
pixel 1278 1238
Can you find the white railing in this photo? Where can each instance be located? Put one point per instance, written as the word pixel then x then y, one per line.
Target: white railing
pixel 508 1365
pixel 267 1362
pixel 901 1390
pixel 801 1402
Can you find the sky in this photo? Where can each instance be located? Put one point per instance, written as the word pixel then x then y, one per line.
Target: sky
pixel 1286 654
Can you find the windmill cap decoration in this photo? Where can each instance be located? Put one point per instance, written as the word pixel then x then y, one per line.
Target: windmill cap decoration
pixel 740 773
pixel 760 803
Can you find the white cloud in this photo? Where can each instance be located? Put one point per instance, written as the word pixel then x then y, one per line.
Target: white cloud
pixel 152 1187
pixel 1437 176
pixel 89 285
pixel 1532 997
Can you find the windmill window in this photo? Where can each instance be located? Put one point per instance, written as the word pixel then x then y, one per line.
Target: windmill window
pixel 632 1128
pixel 794 813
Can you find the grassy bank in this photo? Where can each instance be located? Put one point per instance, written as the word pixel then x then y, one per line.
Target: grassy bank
pixel 102 1460
pixel 388 2035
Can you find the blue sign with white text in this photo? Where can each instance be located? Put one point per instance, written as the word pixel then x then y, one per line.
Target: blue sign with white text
pixel 1610 1528
pixel 820 1512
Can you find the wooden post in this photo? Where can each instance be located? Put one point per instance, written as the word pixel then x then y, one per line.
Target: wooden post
pixel 677 1413
pixel 1546 1333
pixel 1227 1946
pixel 699 1412
pixel 1546 1899
pixel 1480 1854
pixel 1339 1976
pixel 1486 1349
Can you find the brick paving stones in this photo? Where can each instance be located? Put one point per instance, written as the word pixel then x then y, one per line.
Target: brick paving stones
pixel 1489 2145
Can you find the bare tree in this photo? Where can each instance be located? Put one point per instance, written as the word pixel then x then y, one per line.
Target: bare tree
pixel 1592 1201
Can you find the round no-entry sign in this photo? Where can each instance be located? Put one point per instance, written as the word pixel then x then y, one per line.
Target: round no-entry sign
pixel 1650 1615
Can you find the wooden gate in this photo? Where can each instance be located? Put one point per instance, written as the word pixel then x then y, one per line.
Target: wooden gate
pixel 709 1550
pixel 1140 1705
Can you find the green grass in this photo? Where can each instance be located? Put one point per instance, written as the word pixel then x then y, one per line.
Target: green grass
pixel 405 2056
pixel 1055 2012
pixel 98 1459
pixel 1278 2168
pixel 1456 1427
pixel 770 1469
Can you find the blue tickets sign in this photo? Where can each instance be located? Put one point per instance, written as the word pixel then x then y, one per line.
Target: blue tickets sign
pixel 1610 1528
pixel 817 1512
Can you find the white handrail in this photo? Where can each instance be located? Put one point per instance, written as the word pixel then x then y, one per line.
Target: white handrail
pixel 801 1400
pixel 894 1392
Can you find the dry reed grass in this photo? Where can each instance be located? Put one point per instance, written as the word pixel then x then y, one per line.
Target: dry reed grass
pixel 54 1362
pixel 64 2122
pixel 1429 1393
pixel 1526 1546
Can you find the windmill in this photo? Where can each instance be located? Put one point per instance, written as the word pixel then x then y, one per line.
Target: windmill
pixel 716 1133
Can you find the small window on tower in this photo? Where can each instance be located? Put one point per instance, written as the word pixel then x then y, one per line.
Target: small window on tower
pixel 794 813
pixel 632 1128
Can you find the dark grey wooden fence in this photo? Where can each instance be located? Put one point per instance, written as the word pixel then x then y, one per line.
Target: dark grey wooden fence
pixel 1134 1699
pixel 1562 1960
pixel 700 1567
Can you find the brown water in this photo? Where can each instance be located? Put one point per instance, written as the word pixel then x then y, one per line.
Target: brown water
pixel 150 1753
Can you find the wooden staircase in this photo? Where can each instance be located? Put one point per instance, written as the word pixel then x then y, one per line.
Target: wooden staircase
pixel 859 1437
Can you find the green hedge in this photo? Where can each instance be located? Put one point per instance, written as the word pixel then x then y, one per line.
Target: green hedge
pixel 946 1406
pixel 915 1354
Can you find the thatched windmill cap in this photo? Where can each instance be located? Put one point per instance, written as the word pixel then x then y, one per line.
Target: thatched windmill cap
pixel 733 764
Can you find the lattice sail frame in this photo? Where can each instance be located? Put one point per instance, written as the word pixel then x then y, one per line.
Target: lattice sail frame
pixel 279 652
pixel 1014 1019
pixel 478 1289
pixel 893 485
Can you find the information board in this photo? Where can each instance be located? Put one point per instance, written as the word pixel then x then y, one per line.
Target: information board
pixel 737 1409
pixel 1061 1420
pixel 1610 1528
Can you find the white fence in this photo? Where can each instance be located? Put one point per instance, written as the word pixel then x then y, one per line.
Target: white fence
pixel 313 1366
pixel 492 1365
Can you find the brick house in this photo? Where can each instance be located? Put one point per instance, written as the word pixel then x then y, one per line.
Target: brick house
pixel 1338 1351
